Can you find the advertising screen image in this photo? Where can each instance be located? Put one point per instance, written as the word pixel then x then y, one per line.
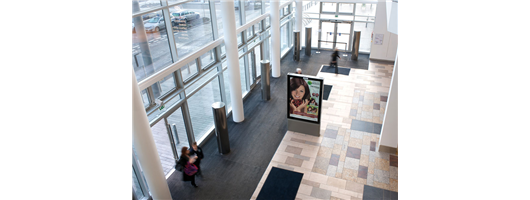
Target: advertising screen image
pixel 304 98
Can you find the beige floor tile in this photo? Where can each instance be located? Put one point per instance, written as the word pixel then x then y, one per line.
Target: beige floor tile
pixel 354 186
pixel 329 187
pixel 308 164
pixel 318 170
pixel 336 182
pixel 368 108
pixel 394 185
pixel 303 196
pixel 361 180
pixel 371 167
pixel 382 185
pixel 319 178
pixel 279 158
pixel 357 143
pixel 342 156
pixel 374 137
pixel 305 189
pixel 338 175
pixel 324 152
pixel 349 193
pixel 349 174
pixel 366 140
pixel 364 160
pixel 336 149
pixel 382 164
pixel 340 195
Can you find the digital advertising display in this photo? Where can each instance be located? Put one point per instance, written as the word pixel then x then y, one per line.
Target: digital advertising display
pixel 304 97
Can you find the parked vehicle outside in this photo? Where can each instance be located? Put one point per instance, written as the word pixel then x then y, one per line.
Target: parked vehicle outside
pixel 184 15
pixel 155 24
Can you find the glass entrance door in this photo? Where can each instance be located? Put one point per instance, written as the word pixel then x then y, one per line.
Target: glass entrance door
pixel 335 34
pixel 327 36
pixel 343 36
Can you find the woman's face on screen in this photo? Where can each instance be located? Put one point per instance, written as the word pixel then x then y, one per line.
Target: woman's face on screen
pixel 298 93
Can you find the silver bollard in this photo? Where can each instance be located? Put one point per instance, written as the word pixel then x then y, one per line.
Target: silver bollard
pixel 308 40
pixel 265 80
pixel 176 133
pixel 296 46
pixel 356 42
pixel 221 127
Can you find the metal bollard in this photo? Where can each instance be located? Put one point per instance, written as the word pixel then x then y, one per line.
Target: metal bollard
pixel 221 127
pixel 296 46
pixel 176 133
pixel 356 42
pixel 308 30
pixel 265 80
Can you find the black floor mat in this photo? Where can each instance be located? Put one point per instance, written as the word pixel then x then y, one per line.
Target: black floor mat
pixel 342 70
pixel 280 184
pixel 327 91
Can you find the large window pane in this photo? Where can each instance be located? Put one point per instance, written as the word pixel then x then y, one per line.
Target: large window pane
pixel 250 33
pixel 329 7
pixel 346 8
pixel 136 186
pixel 227 78
pixel 252 9
pixel 242 75
pixel 150 46
pixel 314 33
pixel 200 105
pixel 284 41
pixel 192 26
pixel 145 5
pixel 181 138
pixel 267 5
pixel 267 22
pixel 189 70
pixel 145 98
pixel 207 59
pixel 249 68
pixel 257 60
pixel 163 146
pixel 167 84
pixel 365 9
pixel 343 36
pixel 327 35
pixel 257 28
pixel 313 7
pixel 239 40
pixel 366 34
pixel 201 81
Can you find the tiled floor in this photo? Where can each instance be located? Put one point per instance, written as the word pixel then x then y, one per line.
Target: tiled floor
pixel 344 159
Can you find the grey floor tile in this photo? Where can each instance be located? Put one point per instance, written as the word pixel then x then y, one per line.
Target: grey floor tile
pixel 331 171
pixel 393 172
pixel 320 193
pixel 321 163
pixel 381 176
pixel 301 157
pixel 327 142
pixel 351 163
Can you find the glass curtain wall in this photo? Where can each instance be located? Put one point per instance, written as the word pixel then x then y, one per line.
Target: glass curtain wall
pixel 183 98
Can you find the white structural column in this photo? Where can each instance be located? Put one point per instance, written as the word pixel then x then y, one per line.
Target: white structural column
pixel 144 145
pixel 230 39
pixel 275 38
pixel 299 16
pixel 389 131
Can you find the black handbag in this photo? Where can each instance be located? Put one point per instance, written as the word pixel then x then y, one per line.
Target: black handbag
pixel 179 166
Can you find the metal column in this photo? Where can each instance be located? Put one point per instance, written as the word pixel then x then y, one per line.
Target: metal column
pixel 308 30
pixel 265 80
pixel 356 41
pixel 296 53
pixel 221 127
